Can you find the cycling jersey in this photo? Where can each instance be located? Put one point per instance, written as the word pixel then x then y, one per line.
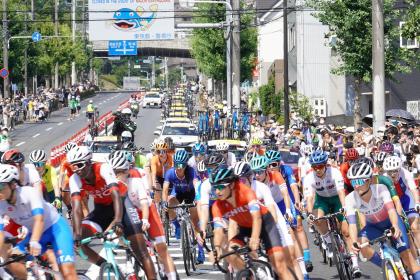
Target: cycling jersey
pixel 181 184
pixel 344 168
pixel 205 193
pixel 30 175
pixel 327 186
pixel 304 166
pixel 136 189
pixel 380 179
pixel 49 178
pixel 276 184
pixel 140 160
pixel 160 168
pixel 288 175
pixel 101 190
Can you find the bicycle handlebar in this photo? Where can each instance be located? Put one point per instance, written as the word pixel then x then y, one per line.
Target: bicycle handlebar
pixel 329 216
pixel 387 234
pixel 236 250
pixel 190 205
pixel 14 258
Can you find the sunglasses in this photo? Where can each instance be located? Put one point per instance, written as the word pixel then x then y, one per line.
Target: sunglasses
pixel 3 185
pixel 273 165
pixel 162 152
pixel 358 182
pixel 39 164
pixel 78 166
pixel 180 165
pixel 259 172
pixel 220 187
pixel 318 167
pixel 256 146
pixel 199 154
pixel 393 172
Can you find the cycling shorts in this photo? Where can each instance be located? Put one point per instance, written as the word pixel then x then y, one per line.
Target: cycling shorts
pixel 282 207
pixel 328 205
pixel 372 231
pixel 49 196
pixel 408 204
pixel 156 231
pixel 59 236
pixel 270 235
pixel 72 111
pixel 159 180
pixel 187 196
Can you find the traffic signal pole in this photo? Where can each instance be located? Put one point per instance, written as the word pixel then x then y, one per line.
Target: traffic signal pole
pixel 6 90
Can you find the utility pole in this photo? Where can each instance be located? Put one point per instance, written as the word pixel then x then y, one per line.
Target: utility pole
pixel 25 71
pixel 129 67
pixel 229 59
pixel 285 67
pixel 56 33
pixel 6 89
pixel 378 64
pixel 153 72
pixel 73 34
pixel 34 78
pixel 166 73
pixel 236 54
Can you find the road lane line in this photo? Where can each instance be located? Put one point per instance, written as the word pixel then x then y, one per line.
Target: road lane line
pixel 48 129
pixel 20 144
pixel 36 135
pixel 60 123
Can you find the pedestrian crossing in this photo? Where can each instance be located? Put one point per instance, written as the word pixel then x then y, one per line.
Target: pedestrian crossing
pixel 204 271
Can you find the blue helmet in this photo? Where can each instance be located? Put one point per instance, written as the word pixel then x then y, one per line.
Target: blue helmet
pixel 273 156
pixel 199 148
pixel 180 156
pixel 318 157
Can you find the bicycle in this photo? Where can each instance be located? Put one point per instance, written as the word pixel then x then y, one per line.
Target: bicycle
pixel 392 266
pixel 318 242
pixel 341 257
pixel 110 269
pixel 188 242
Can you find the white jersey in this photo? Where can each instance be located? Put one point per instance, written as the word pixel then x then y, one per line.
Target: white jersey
pixel 231 160
pixel 29 203
pixel 304 166
pixel 205 193
pixel 192 163
pixel 30 175
pixel 144 179
pixel 328 186
pixel 137 192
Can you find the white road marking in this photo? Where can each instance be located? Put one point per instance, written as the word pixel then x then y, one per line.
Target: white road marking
pixel 36 135
pixel 48 129
pixel 60 123
pixel 20 144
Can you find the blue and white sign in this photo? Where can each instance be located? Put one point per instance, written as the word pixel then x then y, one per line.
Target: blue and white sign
pixel 36 36
pixel 122 47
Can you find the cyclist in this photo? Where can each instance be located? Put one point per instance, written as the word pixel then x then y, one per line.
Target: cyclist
pixel 374 202
pixel 303 163
pixel 256 146
pixel 73 107
pixel 159 164
pixel 139 205
pixel 139 160
pixel 184 181
pixel 324 192
pixel 90 110
pixel 349 157
pixel 407 191
pixel 238 209
pixel 51 190
pixel 199 152
pixel 126 136
pixel 223 148
pixel 25 206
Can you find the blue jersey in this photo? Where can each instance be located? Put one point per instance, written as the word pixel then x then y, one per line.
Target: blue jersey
pixel 289 177
pixel 181 185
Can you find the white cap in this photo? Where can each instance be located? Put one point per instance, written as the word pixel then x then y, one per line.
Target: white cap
pixel 90 101
pixel 126 134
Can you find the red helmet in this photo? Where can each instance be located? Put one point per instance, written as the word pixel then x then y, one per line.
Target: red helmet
pixel 351 154
pixel 12 157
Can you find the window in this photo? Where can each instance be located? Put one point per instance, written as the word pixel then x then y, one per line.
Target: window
pixel 316 102
pixel 407 42
pixel 291 37
pixel 322 102
pixel 322 112
pixel 316 112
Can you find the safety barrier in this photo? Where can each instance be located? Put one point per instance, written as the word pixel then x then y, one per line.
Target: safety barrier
pixel 58 154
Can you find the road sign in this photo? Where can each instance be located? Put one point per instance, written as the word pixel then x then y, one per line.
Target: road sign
pixel 146 61
pixel 4 73
pixel 36 36
pixel 122 47
pixel 137 66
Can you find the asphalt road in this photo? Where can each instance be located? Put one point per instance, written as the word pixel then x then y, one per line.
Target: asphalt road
pixel 58 128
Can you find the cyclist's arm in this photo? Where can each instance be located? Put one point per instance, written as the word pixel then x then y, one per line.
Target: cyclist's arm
pixel 285 195
pixel 232 229
pixel 351 217
pixel 204 204
pixel 144 209
pixel 37 210
pixel 342 197
pixel 117 205
pixel 392 191
pixel 339 184
pixel 54 181
pixel 165 191
pixel 153 172
pixel 254 209
pixel 295 191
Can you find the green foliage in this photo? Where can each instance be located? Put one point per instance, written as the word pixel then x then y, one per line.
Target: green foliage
pixel 174 76
pixel 209 45
pixel 266 94
pixel 302 105
pixel 411 28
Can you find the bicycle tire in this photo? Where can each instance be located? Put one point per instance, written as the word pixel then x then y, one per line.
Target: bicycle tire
pixel 166 226
pixel 185 248
pixel 388 272
pixel 137 266
pixel 192 245
pixel 246 273
pixel 108 268
pixel 338 258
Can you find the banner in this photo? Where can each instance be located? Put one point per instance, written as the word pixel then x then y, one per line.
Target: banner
pixel 131 20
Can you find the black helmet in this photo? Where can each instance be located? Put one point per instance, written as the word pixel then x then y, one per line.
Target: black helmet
pixel 215 159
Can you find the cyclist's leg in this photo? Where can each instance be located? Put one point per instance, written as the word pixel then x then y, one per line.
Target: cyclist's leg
pixel 238 241
pixel 320 209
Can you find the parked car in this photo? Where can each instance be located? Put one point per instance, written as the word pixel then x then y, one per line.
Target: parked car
pixel 152 99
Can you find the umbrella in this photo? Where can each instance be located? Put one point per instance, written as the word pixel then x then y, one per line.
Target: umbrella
pixel 400 114
pixel 368 119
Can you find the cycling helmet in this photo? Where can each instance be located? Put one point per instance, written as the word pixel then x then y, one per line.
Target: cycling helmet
pixel 8 173
pixel 38 156
pixel 215 159
pixel 128 146
pixel 360 171
pixel 259 163
pixel 256 141
pixel 366 160
pixel 201 166
pixel 318 157
pixel 199 148
pixel 351 154
pixel 250 155
pixel 222 146
pixel 223 174
pixel 119 161
pixel 273 156
pixel 80 153
pixel 308 149
pixel 126 134
pixel 126 111
pixel 12 157
pixel 387 147
pixel 392 163
pixel 69 146
pixel 181 156
pixel 242 169
pixel 161 146
pixel 380 157
pixel 361 150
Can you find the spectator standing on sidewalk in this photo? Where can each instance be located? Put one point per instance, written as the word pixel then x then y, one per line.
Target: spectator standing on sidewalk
pixel 78 106
pixel 72 106
pixel 6 115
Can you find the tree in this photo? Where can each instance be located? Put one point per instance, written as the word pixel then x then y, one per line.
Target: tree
pixel 209 45
pixel 302 105
pixel 174 76
pixel 351 22
pixel 411 28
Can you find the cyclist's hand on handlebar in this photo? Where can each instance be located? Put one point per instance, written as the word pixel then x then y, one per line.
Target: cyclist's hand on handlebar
pixel 396 232
pixel 254 244
pixel 355 247
pixel 145 224
pixel 165 205
pixel 118 228
pixel 200 236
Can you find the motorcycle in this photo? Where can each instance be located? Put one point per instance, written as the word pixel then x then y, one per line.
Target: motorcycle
pixel 134 109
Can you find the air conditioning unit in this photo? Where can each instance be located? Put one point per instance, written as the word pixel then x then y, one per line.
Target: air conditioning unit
pixel 414 108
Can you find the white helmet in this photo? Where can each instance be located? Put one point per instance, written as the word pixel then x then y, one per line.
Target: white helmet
pixel 69 146
pixel 8 173
pixel 201 166
pixel 38 156
pixel 126 111
pixel 308 149
pixel 119 161
pixel 80 153
pixel 360 171
pixel 222 146
pixel 242 169
pixel 361 150
pixel 250 155
pixel 392 163
pixel 126 134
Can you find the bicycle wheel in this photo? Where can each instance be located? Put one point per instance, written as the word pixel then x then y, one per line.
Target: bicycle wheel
pixel 185 243
pixel 137 266
pixel 246 274
pixel 107 272
pixel 192 245
pixel 388 271
pixel 166 226
pixel 338 258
